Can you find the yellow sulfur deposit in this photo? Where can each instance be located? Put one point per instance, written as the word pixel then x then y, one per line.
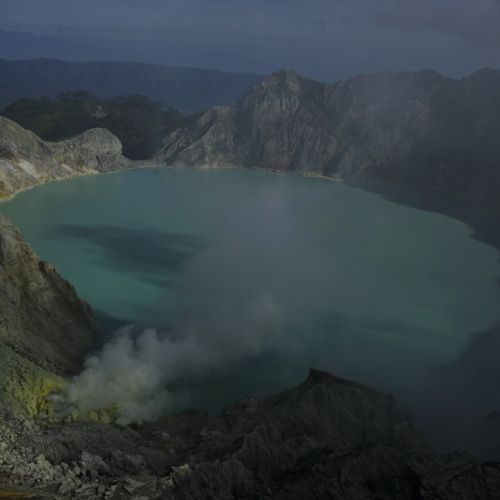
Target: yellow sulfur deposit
pixel 26 385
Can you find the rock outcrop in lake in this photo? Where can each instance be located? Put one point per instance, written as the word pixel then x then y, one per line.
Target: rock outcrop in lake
pixel 27 161
pixel 420 129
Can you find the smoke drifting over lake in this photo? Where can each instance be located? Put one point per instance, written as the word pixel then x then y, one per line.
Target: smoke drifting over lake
pixel 243 293
pixel 136 372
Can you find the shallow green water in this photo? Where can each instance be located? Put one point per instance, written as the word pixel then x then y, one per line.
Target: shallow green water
pixel 361 286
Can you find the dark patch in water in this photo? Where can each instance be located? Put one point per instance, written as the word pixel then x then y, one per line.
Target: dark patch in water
pixel 138 250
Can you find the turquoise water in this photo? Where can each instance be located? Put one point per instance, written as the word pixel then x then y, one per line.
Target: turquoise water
pixel 359 286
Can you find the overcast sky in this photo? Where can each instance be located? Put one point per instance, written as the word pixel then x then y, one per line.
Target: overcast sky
pixel 326 39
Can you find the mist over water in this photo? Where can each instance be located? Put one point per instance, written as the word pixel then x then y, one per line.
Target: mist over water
pixel 216 284
pixel 240 298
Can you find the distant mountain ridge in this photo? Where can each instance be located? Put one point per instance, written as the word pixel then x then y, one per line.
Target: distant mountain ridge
pixel 421 129
pixel 187 89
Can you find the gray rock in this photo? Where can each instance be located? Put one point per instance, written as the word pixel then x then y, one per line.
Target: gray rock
pixel 27 161
pixel 93 465
pixel 45 329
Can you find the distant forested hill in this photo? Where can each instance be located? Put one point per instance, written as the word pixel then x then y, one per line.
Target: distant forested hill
pixel 137 121
pixel 187 89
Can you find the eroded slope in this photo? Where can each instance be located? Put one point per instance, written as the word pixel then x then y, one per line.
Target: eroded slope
pixel 27 161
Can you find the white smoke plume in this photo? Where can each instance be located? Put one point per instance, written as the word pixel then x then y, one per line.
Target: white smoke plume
pixel 240 295
pixel 134 372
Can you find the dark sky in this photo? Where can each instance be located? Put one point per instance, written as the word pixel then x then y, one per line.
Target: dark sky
pixel 326 39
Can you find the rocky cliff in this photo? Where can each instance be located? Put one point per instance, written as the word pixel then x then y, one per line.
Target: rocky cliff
pixel 45 329
pixel 26 160
pixel 421 129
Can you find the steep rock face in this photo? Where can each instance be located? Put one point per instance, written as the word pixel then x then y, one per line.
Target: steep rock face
pixel 26 160
pixel 45 329
pixel 274 127
pixel 422 129
pixel 96 149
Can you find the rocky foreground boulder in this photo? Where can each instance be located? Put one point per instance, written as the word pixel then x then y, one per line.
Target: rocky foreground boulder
pixel 327 438
pixel 27 161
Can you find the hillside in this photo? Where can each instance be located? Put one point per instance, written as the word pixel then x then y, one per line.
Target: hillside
pixel 187 89
pixel 44 329
pixel 140 123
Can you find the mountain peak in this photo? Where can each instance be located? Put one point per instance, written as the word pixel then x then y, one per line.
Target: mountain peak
pixel 285 79
pixel 284 75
